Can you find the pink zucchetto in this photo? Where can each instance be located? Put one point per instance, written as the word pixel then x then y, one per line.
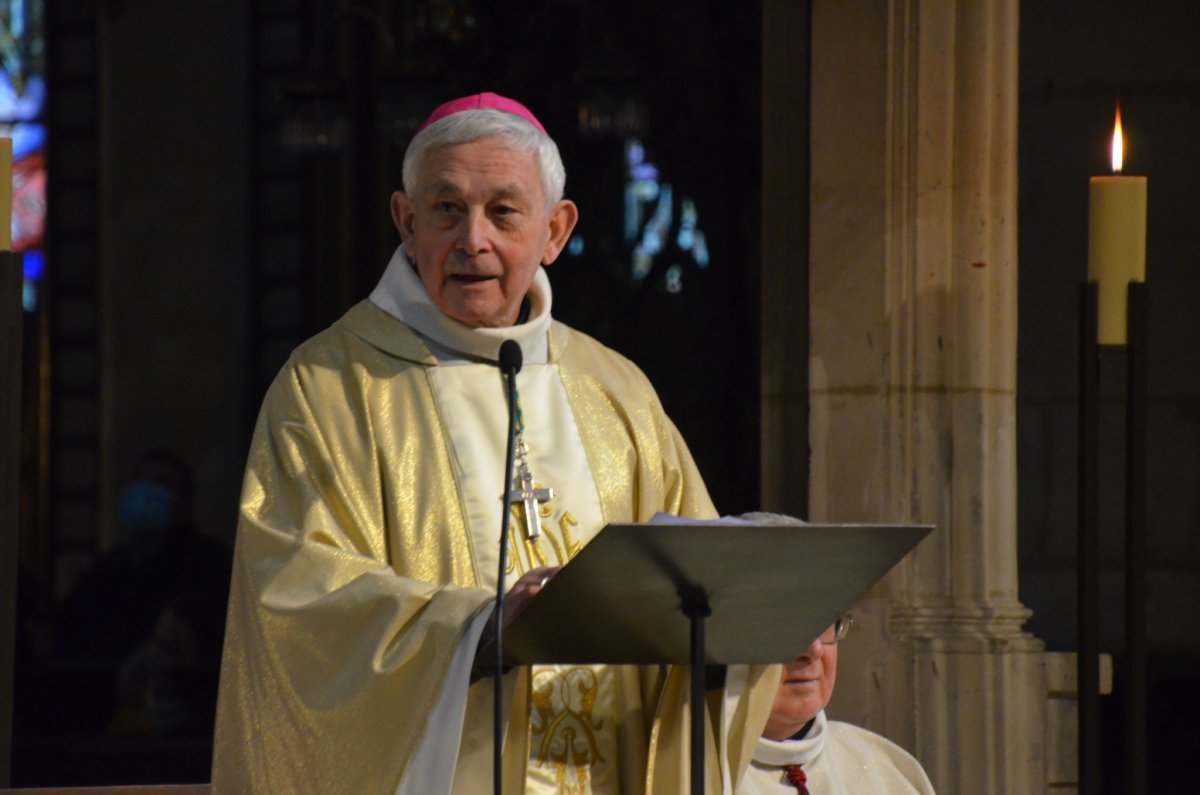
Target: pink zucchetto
pixel 484 101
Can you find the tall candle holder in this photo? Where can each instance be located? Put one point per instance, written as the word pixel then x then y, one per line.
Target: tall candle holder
pixel 1088 555
pixel 1134 679
pixel 1135 542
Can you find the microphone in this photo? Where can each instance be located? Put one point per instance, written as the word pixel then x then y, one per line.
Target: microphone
pixel 510 360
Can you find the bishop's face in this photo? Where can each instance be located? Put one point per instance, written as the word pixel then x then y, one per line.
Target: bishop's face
pixel 478 227
pixel 805 689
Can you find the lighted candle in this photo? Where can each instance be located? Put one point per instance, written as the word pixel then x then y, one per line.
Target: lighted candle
pixel 1116 241
pixel 5 194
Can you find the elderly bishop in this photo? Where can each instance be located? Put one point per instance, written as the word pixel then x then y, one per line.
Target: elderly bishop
pixel 367 549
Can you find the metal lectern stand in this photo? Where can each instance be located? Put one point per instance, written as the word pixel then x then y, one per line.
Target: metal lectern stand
pixel 703 593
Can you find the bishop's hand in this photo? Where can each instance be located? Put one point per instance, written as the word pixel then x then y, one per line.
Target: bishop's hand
pixel 515 599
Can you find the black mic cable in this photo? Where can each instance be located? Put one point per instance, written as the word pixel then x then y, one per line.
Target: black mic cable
pixel 510 364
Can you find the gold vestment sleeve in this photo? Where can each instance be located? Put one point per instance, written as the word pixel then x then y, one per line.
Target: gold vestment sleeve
pixel 353 579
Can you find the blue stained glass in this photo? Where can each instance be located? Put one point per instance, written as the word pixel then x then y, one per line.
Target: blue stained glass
pixel 645 172
pixel 674 279
pixel 635 153
pixel 655 234
pixel 34 265
pixel 651 237
pixel 27 138
pixel 700 250
pixel 25 105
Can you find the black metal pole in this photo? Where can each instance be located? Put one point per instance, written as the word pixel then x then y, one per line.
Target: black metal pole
pixel 697 610
pixel 1135 544
pixel 1088 562
pixel 510 392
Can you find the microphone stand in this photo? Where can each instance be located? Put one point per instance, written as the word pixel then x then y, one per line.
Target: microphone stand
pixel 510 365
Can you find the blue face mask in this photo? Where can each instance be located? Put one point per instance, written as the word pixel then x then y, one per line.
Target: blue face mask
pixel 146 508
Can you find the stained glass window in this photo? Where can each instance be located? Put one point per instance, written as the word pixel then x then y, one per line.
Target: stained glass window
pixel 22 108
pixel 661 228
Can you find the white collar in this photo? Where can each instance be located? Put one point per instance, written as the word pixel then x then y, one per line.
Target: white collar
pixel 402 294
pixel 777 753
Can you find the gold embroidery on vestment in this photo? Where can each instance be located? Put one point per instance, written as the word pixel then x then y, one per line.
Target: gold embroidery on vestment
pixel 561 716
pixel 563 546
pixel 565 523
pixel 558 550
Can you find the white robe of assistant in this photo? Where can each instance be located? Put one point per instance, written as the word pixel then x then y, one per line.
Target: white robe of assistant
pixel 837 759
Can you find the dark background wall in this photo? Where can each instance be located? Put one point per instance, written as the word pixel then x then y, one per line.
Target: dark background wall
pixel 174 218
pixel 1076 61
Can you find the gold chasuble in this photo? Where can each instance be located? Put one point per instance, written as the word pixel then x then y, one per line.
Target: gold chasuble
pixel 366 561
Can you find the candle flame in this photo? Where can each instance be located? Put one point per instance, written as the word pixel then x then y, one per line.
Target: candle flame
pixel 1118 145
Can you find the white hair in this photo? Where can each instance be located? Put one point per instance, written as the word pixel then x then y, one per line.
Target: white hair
pixel 471 125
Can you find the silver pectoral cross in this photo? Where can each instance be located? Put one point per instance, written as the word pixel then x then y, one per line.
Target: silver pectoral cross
pixel 525 494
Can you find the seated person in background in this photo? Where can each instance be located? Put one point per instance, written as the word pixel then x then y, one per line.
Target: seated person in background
pixel 802 751
pixel 149 615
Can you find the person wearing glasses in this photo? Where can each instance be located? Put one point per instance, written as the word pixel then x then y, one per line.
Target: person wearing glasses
pixel 802 751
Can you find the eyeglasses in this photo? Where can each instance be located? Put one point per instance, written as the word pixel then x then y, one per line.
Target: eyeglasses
pixel 837 630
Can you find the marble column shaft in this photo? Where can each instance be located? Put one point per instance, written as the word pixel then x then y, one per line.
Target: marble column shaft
pixel 913 281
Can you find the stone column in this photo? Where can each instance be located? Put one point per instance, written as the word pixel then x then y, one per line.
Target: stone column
pixel 913 279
